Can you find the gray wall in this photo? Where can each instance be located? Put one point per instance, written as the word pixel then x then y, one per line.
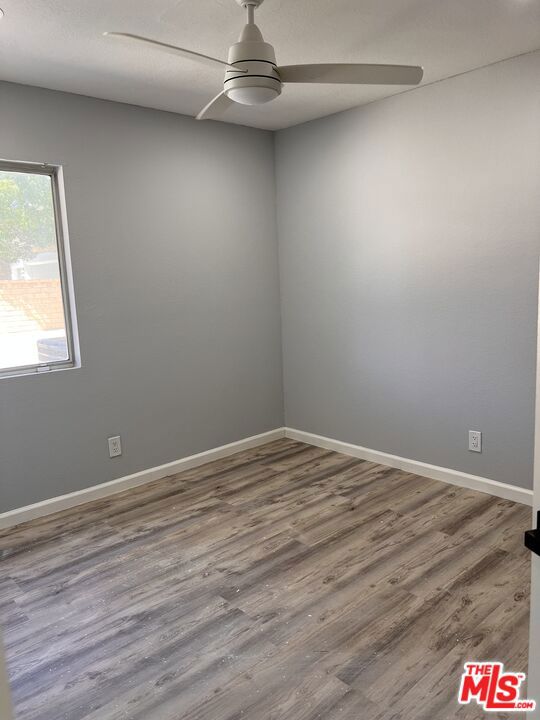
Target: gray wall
pixel 174 250
pixel 409 241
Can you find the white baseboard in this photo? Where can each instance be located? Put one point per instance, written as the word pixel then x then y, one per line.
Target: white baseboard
pixel 454 477
pixel 96 492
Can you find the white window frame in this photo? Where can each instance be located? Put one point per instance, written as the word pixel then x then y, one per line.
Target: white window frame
pixel 55 173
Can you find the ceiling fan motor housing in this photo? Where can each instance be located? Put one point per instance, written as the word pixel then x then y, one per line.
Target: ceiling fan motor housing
pixel 257 80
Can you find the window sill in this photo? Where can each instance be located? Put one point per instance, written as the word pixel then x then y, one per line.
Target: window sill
pixel 38 370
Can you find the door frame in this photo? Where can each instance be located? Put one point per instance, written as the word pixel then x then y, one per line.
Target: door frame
pixel 6 710
pixel 533 685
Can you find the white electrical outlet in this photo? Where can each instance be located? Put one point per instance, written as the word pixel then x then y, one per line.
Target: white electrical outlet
pixel 475 441
pixel 115 446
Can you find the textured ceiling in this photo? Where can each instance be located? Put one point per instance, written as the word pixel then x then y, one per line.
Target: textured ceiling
pixel 58 44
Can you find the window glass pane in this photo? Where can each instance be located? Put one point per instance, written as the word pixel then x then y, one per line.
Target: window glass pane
pixel 32 324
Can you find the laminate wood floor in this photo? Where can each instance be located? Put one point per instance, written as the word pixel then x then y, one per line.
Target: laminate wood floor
pixel 283 583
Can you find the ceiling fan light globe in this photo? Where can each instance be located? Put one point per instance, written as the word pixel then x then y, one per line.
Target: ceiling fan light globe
pixel 252 95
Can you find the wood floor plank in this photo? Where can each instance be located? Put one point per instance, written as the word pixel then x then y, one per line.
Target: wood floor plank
pixel 284 582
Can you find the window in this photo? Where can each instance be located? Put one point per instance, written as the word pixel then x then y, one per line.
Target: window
pixel 36 311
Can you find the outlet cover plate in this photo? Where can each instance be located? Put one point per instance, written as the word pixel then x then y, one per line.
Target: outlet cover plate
pixel 115 446
pixel 475 441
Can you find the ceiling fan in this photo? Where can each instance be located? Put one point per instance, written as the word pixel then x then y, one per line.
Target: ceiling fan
pixel 253 78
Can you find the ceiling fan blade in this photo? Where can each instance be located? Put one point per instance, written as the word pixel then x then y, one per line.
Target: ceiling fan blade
pixel 168 48
pixel 354 74
pixel 215 107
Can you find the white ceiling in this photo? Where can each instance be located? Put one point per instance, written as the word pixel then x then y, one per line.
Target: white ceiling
pixel 59 44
